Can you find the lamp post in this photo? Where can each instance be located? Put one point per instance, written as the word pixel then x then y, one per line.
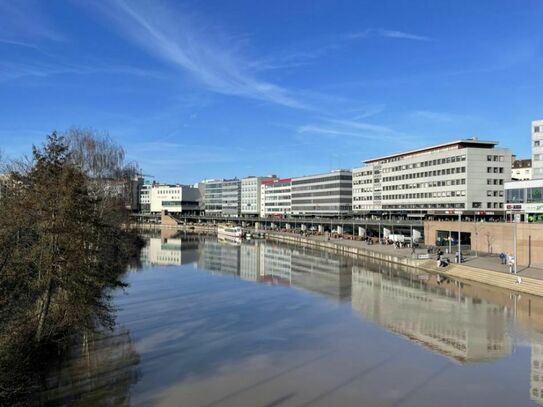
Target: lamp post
pixel 516 220
pixel 459 236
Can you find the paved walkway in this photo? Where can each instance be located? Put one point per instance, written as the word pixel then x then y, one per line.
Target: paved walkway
pixel 486 262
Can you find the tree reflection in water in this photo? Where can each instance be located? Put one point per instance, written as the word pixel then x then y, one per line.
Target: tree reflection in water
pixel 100 371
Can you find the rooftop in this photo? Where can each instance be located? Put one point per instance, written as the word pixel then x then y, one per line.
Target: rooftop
pixel 458 144
pixel 522 163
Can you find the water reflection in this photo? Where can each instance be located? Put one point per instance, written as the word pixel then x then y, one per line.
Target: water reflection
pixel 371 334
pixel 439 317
pixel 99 371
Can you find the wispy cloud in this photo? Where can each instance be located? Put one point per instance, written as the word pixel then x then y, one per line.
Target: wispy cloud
pixel 10 71
pixel 333 128
pixel 174 38
pixel 395 34
pixel 432 116
pixel 22 21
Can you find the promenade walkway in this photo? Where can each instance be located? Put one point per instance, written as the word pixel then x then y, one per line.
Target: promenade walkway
pixel 484 262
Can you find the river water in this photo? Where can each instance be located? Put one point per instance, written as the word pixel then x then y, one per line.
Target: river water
pixel 210 323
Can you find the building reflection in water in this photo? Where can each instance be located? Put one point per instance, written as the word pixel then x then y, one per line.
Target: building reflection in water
pixel 466 323
pixel 443 320
pixel 536 364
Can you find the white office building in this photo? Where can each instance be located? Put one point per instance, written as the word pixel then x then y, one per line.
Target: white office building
pixel 175 198
pixel 328 194
pixel 526 199
pixel 276 198
pixel 464 175
pixel 251 194
pixel 537 149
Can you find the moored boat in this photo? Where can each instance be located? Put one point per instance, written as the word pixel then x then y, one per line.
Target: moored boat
pixel 230 231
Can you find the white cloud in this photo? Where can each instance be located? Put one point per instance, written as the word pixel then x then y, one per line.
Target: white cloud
pixel 379 32
pixel 348 128
pixel 175 39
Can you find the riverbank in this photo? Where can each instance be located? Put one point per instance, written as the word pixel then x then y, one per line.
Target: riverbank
pixel 486 270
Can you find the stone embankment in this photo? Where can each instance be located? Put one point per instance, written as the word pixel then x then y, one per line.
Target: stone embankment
pixel 528 285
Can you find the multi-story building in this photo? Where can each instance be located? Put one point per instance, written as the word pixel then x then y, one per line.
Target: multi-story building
pixel 526 199
pixel 145 197
pixel 537 149
pixel 328 194
pixel 251 194
pixel 231 197
pixel 175 198
pixel 521 170
pixel 276 198
pixel 211 191
pixel 464 175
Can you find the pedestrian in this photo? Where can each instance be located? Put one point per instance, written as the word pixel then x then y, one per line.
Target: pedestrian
pixel 502 257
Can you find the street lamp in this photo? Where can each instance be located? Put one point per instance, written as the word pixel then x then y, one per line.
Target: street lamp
pixel 459 235
pixel 515 221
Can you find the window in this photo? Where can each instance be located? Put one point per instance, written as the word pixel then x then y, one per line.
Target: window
pixel 515 196
pixel 535 195
pixel 537 143
pixel 537 129
pixel 476 204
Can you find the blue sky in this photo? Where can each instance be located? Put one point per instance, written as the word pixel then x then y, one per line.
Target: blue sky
pixel 201 89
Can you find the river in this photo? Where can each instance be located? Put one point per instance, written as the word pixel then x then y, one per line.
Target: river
pixel 210 323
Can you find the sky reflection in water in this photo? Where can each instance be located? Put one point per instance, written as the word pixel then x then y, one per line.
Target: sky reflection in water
pixel 320 330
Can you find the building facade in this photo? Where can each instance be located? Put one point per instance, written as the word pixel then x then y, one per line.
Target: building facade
pixel 328 194
pixel 276 198
pixel 537 149
pixel 145 197
pixel 251 192
pixel 526 199
pixel 465 175
pixel 521 170
pixel 175 199
pixel 211 191
pixel 231 197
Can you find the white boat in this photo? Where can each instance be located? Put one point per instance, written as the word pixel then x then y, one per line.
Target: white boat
pixel 230 231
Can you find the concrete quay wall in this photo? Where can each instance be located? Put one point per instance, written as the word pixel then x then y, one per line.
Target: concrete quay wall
pixel 464 272
pixel 489 237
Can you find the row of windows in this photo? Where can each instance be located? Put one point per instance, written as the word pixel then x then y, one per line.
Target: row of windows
pixel 276 197
pixel 495 158
pixel 423 174
pixel 494 181
pixel 494 193
pixel 438 161
pixel 427 206
pixel 324 193
pixel 329 178
pixel 168 191
pixel 528 195
pixel 432 184
pixel 495 170
pixel 423 195
pixel 305 209
pixel 331 185
pixel 321 200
